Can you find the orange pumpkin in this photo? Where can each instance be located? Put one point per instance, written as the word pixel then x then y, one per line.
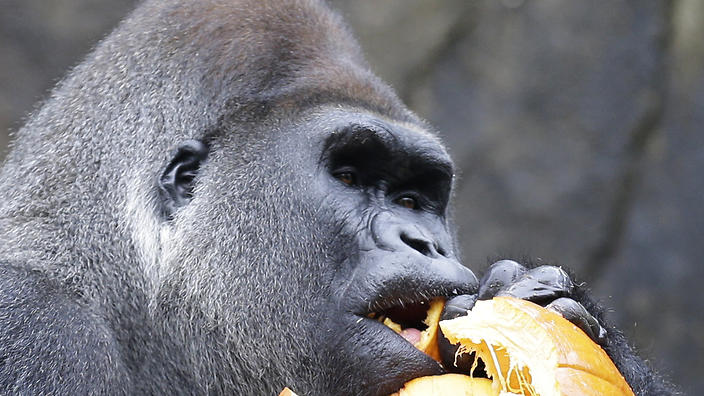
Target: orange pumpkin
pixel 287 392
pixel 447 385
pixel 527 350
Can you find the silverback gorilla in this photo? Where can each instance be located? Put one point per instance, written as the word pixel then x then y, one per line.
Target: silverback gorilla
pixel 215 201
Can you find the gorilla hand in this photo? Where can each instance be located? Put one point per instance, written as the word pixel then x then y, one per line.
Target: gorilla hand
pixel 546 285
pixel 552 288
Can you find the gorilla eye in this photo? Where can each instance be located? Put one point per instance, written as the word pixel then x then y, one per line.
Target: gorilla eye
pixel 347 177
pixel 407 202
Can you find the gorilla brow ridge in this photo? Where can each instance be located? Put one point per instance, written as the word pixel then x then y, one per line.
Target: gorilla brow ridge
pixel 254 109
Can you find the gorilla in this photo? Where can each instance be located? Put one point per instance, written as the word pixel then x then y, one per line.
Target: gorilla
pixel 217 200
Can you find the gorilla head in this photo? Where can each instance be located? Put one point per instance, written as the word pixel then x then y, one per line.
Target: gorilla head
pixel 220 195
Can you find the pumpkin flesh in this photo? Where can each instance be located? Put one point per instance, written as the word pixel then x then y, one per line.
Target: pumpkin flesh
pixel 530 350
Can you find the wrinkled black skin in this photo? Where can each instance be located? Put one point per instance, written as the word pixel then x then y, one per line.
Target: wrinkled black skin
pixel 214 201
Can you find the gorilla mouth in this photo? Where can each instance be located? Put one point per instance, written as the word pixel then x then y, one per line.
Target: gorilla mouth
pixel 415 322
pixel 391 324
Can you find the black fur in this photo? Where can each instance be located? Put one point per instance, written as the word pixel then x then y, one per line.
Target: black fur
pixel 307 197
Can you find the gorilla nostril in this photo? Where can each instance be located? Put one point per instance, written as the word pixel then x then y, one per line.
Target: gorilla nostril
pixel 440 251
pixel 420 245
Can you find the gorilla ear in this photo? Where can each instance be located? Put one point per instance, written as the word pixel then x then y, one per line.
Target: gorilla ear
pixel 176 182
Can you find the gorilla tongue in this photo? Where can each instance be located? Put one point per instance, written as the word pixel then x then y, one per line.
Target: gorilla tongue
pixel 411 335
pixel 422 335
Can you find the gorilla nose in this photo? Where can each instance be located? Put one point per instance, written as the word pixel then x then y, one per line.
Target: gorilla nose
pixel 392 233
pixel 411 257
pixel 422 244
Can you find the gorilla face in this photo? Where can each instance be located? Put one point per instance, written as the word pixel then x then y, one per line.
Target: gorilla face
pixel 391 183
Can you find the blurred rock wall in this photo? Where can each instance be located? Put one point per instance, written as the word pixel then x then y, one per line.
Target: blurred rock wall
pixel 577 129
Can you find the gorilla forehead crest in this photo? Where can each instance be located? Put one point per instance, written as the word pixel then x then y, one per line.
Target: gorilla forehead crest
pixel 267 53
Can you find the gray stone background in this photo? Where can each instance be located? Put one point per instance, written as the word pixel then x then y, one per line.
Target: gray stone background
pixel 577 127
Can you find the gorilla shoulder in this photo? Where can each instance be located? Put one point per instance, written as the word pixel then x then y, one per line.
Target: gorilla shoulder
pixel 50 343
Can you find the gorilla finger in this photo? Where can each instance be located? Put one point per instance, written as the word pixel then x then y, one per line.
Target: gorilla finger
pixel 458 306
pixel 500 274
pixel 540 285
pixel 577 314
